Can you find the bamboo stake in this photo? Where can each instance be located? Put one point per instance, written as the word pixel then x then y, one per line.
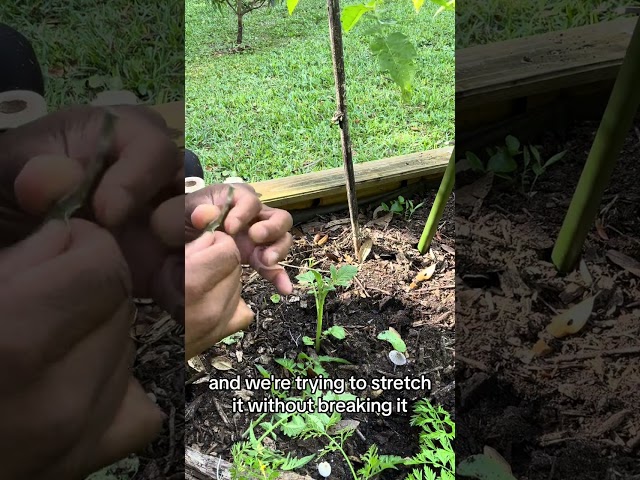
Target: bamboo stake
pixel 337 55
pixel 444 192
pixel 595 178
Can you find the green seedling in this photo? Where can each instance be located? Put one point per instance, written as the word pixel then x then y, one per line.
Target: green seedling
pixel 321 286
pixel 336 331
pixel 232 339
pixel 402 205
pixel 485 467
pixel 275 298
pixel 393 337
pixel 306 364
pixel 436 449
pixel 512 159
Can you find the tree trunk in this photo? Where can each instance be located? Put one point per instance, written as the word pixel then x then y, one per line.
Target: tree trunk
pixel 239 14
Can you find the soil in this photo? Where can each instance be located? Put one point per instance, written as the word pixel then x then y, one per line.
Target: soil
pixel 569 411
pixel 384 295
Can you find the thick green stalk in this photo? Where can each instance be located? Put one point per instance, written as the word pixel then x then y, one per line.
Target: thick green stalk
pixel 595 178
pixel 446 186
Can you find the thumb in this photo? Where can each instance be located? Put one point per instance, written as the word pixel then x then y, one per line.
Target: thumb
pixel 137 423
pixel 44 180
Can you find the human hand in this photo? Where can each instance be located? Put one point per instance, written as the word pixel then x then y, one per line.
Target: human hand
pixel 260 232
pixel 46 159
pixel 213 306
pixel 68 402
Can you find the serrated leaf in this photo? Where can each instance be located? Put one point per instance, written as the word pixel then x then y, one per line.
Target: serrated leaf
pixel 396 56
pixel 344 275
pixel 572 320
pixel 352 14
pixel 393 337
pixel 293 427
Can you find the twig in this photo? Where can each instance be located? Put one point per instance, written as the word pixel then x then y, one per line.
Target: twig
pixel 220 411
pixel 473 363
pixel 362 287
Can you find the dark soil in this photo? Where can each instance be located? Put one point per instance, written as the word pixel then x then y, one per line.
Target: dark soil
pixel 384 295
pixel 572 411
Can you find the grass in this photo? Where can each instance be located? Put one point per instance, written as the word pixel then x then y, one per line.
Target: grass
pixel 266 113
pixel 496 20
pixel 85 47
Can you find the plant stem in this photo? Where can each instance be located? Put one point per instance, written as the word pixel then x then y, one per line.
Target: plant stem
pixel 337 445
pixel 446 186
pixel 273 427
pixel 596 175
pixel 337 55
pixel 320 314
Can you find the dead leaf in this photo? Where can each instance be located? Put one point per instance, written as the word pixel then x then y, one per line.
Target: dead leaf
pixel 477 191
pixel 197 364
pixel 382 222
pixel 221 363
pixel 365 249
pixel 322 240
pixel 601 231
pixel 541 348
pixel 343 425
pixel 629 264
pixel 425 274
pixel 239 355
pixel 572 320
pixel 584 273
pixel 448 249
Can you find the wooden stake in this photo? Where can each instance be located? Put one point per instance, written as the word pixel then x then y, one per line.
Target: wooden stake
pixel 337 55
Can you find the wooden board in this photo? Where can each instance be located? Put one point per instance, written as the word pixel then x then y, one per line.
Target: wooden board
pixel 173 114
pixel 325 188
pixel 495 72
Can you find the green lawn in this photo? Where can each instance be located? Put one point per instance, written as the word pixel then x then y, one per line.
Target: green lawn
pixel 266 113
pixel 85 47
pixel 487 21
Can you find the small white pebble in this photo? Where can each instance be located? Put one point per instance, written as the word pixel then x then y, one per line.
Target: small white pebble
pixel 324 469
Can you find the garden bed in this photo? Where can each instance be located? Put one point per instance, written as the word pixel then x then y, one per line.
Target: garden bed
pixel 382 296
pixel 570 412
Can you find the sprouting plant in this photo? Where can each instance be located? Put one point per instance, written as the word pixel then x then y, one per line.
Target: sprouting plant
pixel 306 364
pixel 402 205
pixel 275 298
pixel 436 451
pixel 394 338
pixel 321 286
pixel 509 160
pixel 336 332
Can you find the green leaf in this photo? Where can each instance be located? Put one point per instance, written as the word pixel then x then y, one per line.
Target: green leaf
pixel 275 298
pixel 527 157
pixel 484 467
pixel 537 169
pixel 474 162
pixel 291 5
pixel 513 144
pixel 286 363
pixel 502 162
pixel 325 358
pixel 263 371
pixel 307 340
pixel 536 153
pixel 293 427
pixel 396 56
pixel 292 463
pixel 306 277
pixel 557 157
pixel 234 338
pixel 417 4
pixel 394 339
pixel 352 14
pixel 336 331
pixel 344 275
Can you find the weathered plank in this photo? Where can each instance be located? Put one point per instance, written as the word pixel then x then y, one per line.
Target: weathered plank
pixel 173 113
pixel 523 67
pixel 372 178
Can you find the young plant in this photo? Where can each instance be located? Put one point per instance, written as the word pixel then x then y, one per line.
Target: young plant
pixel 436 450
pixel 336 331
pixel 394 338
pixel 321 286
pixel 402 205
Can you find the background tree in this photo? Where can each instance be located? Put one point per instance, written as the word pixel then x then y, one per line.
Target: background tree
pixel 240 8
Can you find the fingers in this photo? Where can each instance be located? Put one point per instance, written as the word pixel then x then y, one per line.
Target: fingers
pixel 90 279
pixel 147 162
pixel 241 319
pixel 273 223
pixel 203 215
pixel 137 422
pixel 167 222
pixel 275 274
pixel 44 180
pixel 246 207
